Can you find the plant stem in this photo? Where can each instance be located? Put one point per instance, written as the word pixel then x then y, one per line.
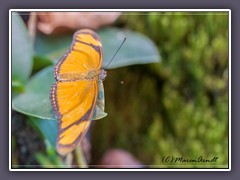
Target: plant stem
pixel 80 159
pixel 68 160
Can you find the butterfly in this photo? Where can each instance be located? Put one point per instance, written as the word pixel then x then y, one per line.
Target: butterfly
pixel 73 96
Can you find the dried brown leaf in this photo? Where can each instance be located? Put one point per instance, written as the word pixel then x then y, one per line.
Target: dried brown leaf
pixel 58 22
pixel 117 158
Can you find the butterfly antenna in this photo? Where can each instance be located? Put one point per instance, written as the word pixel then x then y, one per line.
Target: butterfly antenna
pixel 116 52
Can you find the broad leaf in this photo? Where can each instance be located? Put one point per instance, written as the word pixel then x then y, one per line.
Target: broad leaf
pixel 22 53
pixel 138 49
pixel 48 129
pixel 35 100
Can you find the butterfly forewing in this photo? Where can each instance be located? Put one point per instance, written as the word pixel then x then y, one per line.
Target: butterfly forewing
pixel 85 54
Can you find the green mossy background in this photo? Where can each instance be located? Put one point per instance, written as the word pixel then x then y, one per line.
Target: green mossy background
pixel 178 107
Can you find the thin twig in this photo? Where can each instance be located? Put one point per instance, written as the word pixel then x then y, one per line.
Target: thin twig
pixel 69 159
pixel 32 25
pixel 80 159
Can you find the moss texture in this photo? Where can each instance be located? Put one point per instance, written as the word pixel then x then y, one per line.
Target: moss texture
pixel 178 107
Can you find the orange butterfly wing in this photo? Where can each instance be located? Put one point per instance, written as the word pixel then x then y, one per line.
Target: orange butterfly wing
pixel 74 95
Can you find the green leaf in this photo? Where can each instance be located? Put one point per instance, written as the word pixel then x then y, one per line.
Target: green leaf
pixel 137 49
pixel 99 110
pixel 17 86
pixel 40 62
pixel 53 47
pixel 48 129
pixel 22 51
pixel 44 161
pixel 35 100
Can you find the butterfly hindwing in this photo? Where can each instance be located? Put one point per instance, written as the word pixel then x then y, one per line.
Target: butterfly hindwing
pixel 74 111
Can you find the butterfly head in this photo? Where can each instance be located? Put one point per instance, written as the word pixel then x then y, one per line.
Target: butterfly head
pixel 102 75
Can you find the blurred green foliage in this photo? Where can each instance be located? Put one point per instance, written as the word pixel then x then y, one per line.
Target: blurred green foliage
pixel 178 107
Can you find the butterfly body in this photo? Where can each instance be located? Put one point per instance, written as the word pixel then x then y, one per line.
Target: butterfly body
pixel 91 75
pixel 74 94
